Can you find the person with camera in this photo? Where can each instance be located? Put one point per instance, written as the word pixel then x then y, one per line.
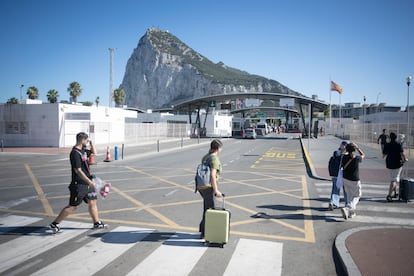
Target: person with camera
pixel 352 183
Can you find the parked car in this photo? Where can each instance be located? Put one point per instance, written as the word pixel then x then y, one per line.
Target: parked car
pixel 249 133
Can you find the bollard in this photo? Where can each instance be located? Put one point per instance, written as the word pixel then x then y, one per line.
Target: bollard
pixel 116 152
pixel 122 152
pixel 2 145
pixel 182 139
pixel 158 145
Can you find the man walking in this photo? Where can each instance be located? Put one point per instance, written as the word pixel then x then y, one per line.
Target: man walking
pixel 394 160
pixel 81 188
pixel 383 139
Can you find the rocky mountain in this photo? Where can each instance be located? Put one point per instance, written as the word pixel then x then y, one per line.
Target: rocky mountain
pixel 162 71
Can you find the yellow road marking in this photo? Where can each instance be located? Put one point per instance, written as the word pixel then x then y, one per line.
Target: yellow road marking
pixel 161 179
pixel 39 191
pixel 308 223
pixel 148 209
pixel 307 230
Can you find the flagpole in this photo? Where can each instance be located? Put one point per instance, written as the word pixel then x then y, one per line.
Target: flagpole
pixel 330 110
pixel 340 112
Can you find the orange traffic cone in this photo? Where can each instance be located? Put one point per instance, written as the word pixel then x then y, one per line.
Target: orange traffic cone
pixel 92 159
pixel 108 155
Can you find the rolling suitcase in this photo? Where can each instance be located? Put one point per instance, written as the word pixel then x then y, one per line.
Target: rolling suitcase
pixel 406 192
pixel 406 189
pixel 217 226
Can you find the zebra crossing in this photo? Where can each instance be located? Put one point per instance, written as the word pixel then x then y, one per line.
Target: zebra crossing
pixel 30 249
pixel 372 207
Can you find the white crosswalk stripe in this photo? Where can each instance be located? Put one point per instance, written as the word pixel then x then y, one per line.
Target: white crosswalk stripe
pixel 177 255
pixel 27 246
pixel 180 259
pixel 375 219
pixel 11 222
pixel 372 203
pixel 98 252
pixel 248 258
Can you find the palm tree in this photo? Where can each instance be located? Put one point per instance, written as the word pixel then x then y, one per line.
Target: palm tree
pixel 119 96
pixel 32 92
pixel 52 96
pixel 13 100
pixel 75 90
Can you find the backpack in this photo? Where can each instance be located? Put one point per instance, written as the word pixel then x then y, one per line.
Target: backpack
pixel 334 163
pixel 202 177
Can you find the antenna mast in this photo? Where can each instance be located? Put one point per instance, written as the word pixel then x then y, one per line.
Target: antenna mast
pixel 111 73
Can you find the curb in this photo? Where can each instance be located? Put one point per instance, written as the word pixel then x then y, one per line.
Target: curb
pixel 344 255
pixel 309 165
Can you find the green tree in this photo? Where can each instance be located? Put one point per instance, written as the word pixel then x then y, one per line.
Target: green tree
pixel 12 100
pixel 52 96
pixel 119 96
pixel 75 90
pixel 97 101
pixel 32 92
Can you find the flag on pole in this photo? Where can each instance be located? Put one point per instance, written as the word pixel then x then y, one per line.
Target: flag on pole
pixel 336 87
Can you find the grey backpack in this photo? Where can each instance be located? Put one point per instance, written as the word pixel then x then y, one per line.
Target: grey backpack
pixel 202 177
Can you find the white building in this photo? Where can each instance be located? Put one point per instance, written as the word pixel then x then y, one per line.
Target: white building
pixel 33 124
pixel 56 125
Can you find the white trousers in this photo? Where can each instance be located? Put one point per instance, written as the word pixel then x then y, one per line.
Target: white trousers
pixel 353 192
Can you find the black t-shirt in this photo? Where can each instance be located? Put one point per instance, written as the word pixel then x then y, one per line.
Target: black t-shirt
pixel 383 138
pixel 351 172
pixel 393 151
pixel 79 159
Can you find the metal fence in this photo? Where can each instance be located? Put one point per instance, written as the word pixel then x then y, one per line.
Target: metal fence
pixel 136 133
pixel 369 133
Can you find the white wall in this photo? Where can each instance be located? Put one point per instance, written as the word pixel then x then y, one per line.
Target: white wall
pixel 56 125
pixel 29 125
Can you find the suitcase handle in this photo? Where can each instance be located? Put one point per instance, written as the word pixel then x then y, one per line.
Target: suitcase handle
pixel 222 204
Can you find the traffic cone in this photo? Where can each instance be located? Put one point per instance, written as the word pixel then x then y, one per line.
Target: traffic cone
pixel 92 159
pixel 108 155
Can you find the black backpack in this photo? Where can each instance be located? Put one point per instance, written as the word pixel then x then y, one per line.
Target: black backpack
pixel 334 163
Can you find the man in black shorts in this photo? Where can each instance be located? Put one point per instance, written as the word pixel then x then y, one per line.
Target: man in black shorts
pixel 81 188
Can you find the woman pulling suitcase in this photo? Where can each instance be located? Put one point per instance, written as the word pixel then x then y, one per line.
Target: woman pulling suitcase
pixel 208 193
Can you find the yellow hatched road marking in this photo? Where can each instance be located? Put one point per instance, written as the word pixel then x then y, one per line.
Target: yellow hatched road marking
pixel 39 191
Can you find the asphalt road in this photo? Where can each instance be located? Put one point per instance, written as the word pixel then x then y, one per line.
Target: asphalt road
pixel 268 191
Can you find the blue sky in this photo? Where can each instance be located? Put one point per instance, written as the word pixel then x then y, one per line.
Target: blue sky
pixel 367 47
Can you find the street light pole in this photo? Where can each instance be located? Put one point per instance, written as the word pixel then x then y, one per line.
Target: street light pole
pixel 377 101
pixel 363 113
pixel 21 87
pixel 408 114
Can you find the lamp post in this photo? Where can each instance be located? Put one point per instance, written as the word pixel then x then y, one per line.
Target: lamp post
pixel 377 101
pixel 21 88
pixel 363 113
pixel 408 114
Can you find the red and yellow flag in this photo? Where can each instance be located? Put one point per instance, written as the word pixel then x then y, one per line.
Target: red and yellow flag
pixel 336 87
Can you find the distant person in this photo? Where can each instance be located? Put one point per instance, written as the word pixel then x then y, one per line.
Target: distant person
pixel 335 162
pixel 209 193
pixel 81 188
pixel 382 140
pixel 394 160
pixel 352 183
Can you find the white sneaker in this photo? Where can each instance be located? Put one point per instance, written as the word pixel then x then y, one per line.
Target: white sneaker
pixel 345 212
pixel 55 227
pixel 99 225
pixel 352 214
